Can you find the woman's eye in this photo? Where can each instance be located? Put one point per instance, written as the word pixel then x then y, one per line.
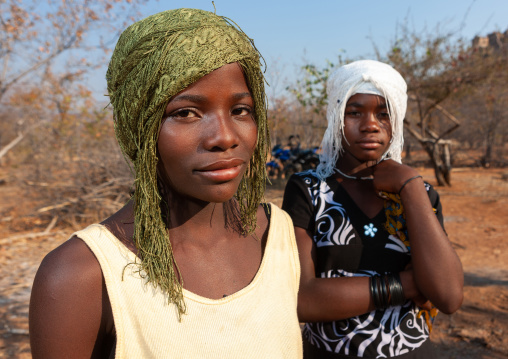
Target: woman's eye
pixel 352 113
pixel 183 114
pixel 241 111
pixel 384 116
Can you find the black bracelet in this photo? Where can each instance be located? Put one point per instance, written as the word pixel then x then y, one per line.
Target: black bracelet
pixel 374 291
pixel 386 280
pixel 396 290
pixel 407 181
pixel 384 294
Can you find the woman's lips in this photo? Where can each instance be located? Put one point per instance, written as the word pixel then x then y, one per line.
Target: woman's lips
pixel 222 171
pixel 369 144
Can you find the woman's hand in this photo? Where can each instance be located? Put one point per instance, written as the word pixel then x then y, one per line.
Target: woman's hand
pixel 389 176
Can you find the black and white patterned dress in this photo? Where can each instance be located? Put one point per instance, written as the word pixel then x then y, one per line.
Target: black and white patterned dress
pixel 348 243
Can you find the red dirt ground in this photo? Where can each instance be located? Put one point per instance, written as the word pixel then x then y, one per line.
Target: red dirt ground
pixel 476 219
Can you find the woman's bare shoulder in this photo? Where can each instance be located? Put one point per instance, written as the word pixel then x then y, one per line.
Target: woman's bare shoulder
pixel 74 257
pixel 70 261
pixel 66 304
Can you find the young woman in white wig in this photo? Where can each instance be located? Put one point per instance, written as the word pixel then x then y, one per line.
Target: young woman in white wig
pixel 376 263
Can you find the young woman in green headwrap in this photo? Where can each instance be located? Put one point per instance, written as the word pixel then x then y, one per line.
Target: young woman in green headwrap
pixel 193 266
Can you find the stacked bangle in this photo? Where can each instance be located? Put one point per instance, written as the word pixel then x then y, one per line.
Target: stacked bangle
pixel 374 291
pixel 396 291
pixel 386 291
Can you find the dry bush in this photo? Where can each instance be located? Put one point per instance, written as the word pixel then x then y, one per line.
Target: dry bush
pixel 73 169
pixel 66 155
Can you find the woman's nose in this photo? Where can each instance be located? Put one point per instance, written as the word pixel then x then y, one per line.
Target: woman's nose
pixel 370 122
pixel 220 133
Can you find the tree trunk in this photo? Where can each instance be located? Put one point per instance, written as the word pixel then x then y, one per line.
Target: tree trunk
pixel 487 158
pixel 447 171
pixel 439 155
pixel 408 153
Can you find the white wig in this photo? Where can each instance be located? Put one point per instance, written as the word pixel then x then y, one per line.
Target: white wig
pixel 364 76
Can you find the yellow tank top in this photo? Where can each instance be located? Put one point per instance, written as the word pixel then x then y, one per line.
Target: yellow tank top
pixel 259 321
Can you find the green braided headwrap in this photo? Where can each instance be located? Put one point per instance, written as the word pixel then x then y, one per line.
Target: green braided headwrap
pixel 155 59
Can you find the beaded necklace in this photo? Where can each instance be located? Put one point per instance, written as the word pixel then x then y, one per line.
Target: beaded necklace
pixel 352 177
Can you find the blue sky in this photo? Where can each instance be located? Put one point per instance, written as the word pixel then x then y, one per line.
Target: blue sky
pixel 292 33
